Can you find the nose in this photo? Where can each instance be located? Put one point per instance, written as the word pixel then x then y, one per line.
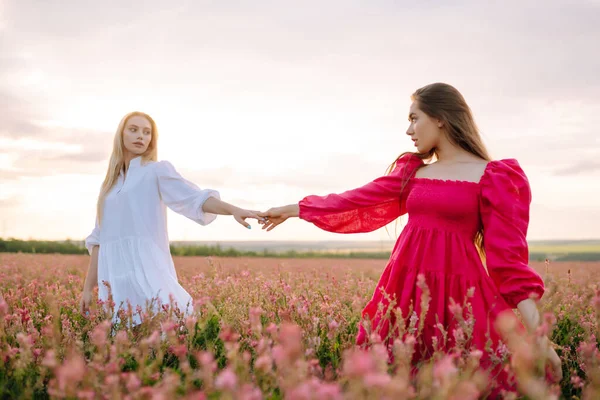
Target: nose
pixel 410 130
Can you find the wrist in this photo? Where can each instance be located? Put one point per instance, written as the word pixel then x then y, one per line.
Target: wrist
pixel 293 210
pixel 530 314
pixel 232 210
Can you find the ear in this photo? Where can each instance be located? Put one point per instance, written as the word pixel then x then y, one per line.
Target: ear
pixel 440 123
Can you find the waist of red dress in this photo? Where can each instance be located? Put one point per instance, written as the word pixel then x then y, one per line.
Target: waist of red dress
pixel 465 228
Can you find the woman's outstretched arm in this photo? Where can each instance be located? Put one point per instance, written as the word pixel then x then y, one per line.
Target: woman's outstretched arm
pixel 215 206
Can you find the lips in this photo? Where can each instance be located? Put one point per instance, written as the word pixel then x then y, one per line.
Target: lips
pixel 138 143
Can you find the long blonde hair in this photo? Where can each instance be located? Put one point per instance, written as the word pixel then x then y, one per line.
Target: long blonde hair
pixel 444 102
pixel 116 163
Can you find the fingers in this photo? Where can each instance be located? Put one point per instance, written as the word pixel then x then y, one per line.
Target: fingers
pixel 255 215
pixel 267 224
pixel 242 221
pixel 83 306
pixel 268 219
pixel 271 224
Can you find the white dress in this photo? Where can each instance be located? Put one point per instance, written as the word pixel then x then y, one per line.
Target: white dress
pixel 134 255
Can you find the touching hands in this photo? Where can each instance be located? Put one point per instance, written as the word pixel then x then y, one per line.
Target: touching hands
pixel 240 216
pixel 277 215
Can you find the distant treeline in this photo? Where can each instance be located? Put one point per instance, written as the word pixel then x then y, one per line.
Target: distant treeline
pixel 43 247
pixel 77 247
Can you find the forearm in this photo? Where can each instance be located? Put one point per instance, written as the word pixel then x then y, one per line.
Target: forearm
pixel 216 206
pixel 91 279
pixel 530 314
pixel 292 210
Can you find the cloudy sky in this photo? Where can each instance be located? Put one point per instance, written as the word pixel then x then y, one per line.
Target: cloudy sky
pixel 269 101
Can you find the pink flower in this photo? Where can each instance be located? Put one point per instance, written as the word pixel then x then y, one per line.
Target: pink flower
pixel 112 380
pixel 455 308
pixel 201 301
pixel 50 359
pixel 410 340
pixel 263 363
pixel 459 334
pixel 24 340
pixel 444 369
pixel 36 353
pixel 190 323
pixel 358 363
pixel 333 325
pixel 466 391
pixel 471 292
pixel 226 380
pixel 152 340
pixel 228 334
pixel 377 379
pixel 168 326
pixel 133 382
pixel 206 358
pixel 122 338
pixel 301 392
pixel 577 382
pixel 279 354
pixel 179 350
pixel 71 372
pixel 329 391
pixel 271 328
pixel 249 392
pixel 86 394
pixel 3 307
pixel 476 354
pixel 290 337
pixel 596 301
pixel 98 335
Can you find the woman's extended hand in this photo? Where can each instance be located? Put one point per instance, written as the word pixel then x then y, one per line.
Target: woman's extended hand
pixel 277 215
pixel 241 214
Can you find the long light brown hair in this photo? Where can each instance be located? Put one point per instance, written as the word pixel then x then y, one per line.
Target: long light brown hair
pixel 117 158
pixel 445 103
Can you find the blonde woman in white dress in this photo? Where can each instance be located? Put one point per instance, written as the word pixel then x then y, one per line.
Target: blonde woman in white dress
pixel 129 245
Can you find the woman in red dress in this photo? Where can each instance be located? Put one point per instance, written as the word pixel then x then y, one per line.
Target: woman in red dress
pixel 460 204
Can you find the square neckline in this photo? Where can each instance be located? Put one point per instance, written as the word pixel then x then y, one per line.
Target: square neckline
pixel 455 181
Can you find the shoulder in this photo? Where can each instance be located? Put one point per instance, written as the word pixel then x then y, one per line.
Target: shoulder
pixel 408 162
pixel 506 169
pixel 504 178
pixel 409 158
pixel 161 167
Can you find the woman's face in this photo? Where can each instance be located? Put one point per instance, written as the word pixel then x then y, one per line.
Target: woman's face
pixel 137 135
pixel 425 132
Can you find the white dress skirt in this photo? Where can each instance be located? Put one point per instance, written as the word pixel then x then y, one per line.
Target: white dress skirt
pixel 134 255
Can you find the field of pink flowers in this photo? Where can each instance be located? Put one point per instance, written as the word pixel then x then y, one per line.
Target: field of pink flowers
pixel 265 329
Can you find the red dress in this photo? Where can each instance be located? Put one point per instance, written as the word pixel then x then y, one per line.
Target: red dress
pixel 438 242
